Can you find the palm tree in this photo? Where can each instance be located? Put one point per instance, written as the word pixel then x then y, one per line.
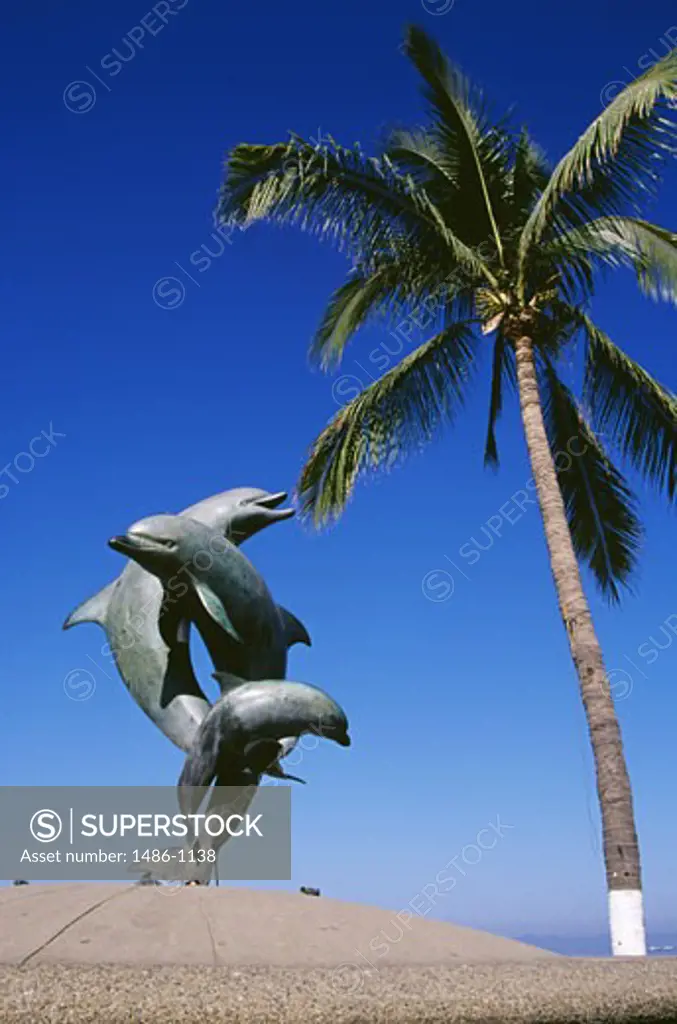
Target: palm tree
pixel 465 220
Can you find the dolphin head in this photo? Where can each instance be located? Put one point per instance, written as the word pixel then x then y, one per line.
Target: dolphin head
pixel 333 727
pixel 282 709
pixel 254 511
pixel 158 543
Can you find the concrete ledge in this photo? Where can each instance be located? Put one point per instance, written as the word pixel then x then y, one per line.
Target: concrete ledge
pixel 547 992
pixel 103 954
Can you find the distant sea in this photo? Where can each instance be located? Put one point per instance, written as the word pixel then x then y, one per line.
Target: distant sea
pixel 598 945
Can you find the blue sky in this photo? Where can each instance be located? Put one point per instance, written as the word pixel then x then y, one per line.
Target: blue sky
pixel 461 709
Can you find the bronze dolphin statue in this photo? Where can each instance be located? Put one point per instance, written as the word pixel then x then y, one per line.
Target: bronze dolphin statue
pixel 160 677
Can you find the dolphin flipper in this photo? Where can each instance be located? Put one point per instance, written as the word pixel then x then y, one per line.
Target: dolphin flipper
pixel 294 630
pixel 94 609
pixel 260 755
pixel 199 769
pixel 263 758
pixel 214 608
pixel 276 771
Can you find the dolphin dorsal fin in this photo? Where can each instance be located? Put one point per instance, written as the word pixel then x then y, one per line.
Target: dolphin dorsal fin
pixel 294 630
pixel 227 681
pixel 92 610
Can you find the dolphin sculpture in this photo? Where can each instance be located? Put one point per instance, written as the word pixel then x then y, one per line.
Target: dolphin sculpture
pixel 241 734
pixel 160 678
pixel 210 582
pixel 239 740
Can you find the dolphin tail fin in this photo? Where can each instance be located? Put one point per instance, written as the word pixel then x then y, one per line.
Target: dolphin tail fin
pixel 92 610
pixel 190 867
pixel 198 771
pixel 294 630
pixel 200 766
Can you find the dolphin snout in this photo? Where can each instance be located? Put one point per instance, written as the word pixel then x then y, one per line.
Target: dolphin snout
pixel 256 514
pixel 275 514
pixel 338 735
pixel 271 502
pixel 121 543
pixel 156 533
pixel 137 541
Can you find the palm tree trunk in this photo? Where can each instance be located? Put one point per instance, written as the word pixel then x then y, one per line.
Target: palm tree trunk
pixel 621 849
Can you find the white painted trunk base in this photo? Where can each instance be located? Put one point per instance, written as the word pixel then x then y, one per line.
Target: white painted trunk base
pixel 626 921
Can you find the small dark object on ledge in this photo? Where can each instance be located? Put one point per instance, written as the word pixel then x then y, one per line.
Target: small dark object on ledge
pixel 19 881
pixel 308 891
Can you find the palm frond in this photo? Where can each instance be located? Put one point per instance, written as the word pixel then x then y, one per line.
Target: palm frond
pixel 558 324
pixel 420 155
pixel 615 161
pixel 363 205
pixel 503 367
pixel 600 506
pixel 393 289
pixel 631 407
pixel 348 309
pixel 650 250
pixel 400 411
pixel 326 189
pixel 475 150
pixel 530 175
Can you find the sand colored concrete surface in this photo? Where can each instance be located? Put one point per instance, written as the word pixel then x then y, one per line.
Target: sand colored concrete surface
pixel 104 953
pixel 160 925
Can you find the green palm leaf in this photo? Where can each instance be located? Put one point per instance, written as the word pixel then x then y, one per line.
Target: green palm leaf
pixel 400 411
pixel 599 504
pixel 530 175
pixel 503 367
pixel 365 206
pixel 348 308
pixel 327 189
pixel 650 250
pixel 632 408
pixel 420 155
pixel 475 151
pixel 615 161
pixel 394 289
